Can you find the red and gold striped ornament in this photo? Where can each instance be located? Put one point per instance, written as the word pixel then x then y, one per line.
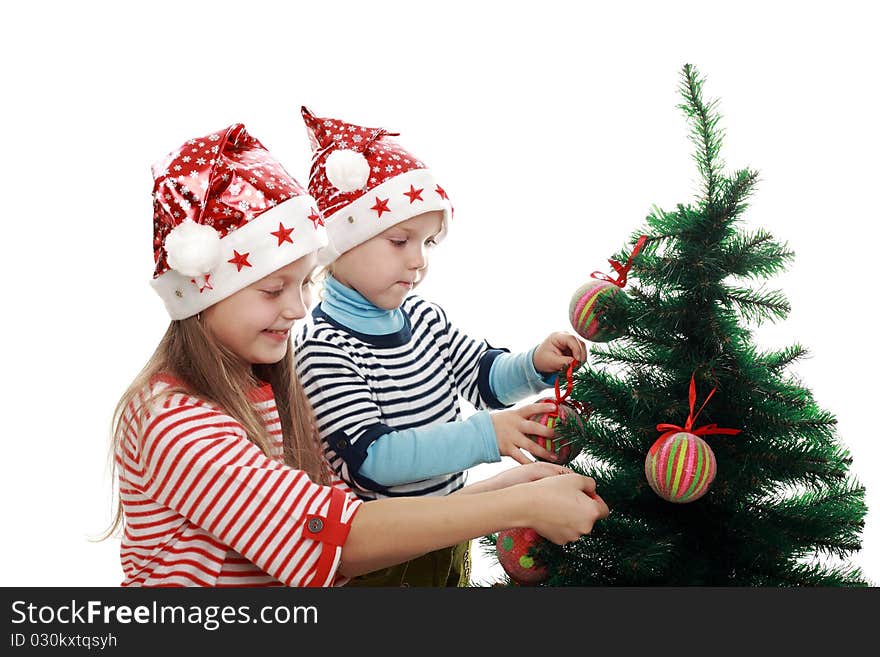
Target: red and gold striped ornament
pixel 680 465
pixel 513 548
pixel 583 310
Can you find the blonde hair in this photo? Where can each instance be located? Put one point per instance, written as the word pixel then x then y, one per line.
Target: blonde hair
pixel 206 369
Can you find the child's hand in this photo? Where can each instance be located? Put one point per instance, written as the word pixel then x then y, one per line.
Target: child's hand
pixel 512 430
pixel 523 474
pixel 562 509
pixel 557 351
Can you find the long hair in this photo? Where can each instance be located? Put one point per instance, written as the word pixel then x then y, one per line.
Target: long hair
pixel 206 369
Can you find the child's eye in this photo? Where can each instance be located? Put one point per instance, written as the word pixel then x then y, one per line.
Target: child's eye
pixel 273 293
pixel 307 282
pixel 398 242
pixel 430 242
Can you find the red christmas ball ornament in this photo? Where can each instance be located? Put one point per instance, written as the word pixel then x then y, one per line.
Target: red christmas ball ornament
pixel 680 467
pixel 513 548
pixel 562 447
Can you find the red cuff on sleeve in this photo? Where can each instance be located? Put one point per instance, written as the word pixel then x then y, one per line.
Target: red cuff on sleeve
pixel 331 531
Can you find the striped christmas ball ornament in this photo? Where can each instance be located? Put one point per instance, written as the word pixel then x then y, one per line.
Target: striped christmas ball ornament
pixel 583 314
pixel 680 467
pixel 513 547
pixel 561 446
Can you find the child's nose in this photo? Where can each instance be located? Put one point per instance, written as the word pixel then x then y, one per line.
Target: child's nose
pixel 295 308
pixel 418 259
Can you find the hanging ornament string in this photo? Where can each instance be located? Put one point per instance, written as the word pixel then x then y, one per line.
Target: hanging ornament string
pixel 622 270
pixel 565 397
pixel 569 385
pixel 704 430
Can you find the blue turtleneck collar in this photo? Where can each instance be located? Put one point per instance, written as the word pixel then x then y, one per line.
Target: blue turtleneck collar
pixel 349 309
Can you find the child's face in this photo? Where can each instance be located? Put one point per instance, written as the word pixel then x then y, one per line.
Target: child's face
pixel 254 323
pixel 385 268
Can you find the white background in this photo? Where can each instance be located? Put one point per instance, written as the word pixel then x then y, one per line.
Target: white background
pixel 552 125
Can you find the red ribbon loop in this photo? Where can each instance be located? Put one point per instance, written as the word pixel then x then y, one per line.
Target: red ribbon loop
pixel 704 430
pixel 569 385
pixel 622 270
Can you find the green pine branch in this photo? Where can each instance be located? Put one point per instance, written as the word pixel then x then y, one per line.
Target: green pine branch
pixel 757 305
pixel 779 360
pixel 705 133
pixel 755 255
pixel 735 191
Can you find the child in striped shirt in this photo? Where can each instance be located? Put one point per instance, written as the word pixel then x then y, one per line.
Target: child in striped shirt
pixel 221 482
pixel 383 369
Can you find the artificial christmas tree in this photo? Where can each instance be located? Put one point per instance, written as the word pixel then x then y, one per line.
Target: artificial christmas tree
pixel 783 509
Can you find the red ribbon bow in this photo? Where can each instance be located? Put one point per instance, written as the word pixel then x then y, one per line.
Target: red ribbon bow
pixel 706 429
pixel 622 270
pixel 569 384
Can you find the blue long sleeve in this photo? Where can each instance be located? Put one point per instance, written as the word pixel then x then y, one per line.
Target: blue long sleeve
pixel 513 377
pixel 400 457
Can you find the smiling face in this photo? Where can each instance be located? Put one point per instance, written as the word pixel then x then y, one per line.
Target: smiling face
pixel 385 268
pixel 255 322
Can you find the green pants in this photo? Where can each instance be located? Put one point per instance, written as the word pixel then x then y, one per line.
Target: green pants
pixel 447 567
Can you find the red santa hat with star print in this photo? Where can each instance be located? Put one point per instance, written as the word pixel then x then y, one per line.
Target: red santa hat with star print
pixel 225 215
pixel 365 182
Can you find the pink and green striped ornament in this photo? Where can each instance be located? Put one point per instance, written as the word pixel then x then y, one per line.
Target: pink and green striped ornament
pixel 680 467
pixel 583 312
pixel 584 309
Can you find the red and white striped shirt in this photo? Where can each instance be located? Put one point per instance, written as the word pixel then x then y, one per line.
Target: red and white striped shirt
pixel 205 507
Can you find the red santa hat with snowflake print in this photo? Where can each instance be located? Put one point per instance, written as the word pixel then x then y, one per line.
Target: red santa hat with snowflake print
pixel 365 182
pixel 225 215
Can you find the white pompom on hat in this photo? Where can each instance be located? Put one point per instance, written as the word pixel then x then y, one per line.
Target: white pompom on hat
pixel 192 249
pixel 347 170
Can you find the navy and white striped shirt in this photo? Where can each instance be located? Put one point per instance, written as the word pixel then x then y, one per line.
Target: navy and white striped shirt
pixel 365 386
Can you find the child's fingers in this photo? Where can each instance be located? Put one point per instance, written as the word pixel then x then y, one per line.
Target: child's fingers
pixel 603 507
pixel 588 485
pixel 532 428
pixel 570 345
pixel 518 456
pixel 580 350
pixel 537 451
pixel 541 469
pixel 536 409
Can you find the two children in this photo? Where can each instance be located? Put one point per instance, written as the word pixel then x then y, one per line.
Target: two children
pixel 220 476
pixel 383 369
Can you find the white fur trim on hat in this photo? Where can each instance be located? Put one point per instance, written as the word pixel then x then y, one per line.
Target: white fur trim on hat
pixel 357 222
pixel 186 295
pixel 347 170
